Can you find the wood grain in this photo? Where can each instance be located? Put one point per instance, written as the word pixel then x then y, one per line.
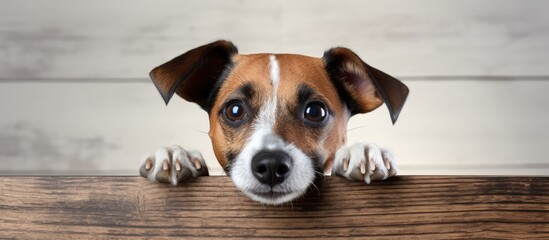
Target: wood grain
pixel 418 207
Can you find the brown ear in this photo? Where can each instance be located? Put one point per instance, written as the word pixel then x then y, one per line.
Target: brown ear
pixel 194 75
pixel 361 86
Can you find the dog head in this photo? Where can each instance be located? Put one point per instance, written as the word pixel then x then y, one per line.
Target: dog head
pixel 276 120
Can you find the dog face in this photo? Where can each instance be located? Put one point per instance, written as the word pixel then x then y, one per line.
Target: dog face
pixel 276 120
pixel 274 126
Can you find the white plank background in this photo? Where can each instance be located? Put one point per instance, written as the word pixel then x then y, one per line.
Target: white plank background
pixel 74 98
pixel 455 127
pixel 125 38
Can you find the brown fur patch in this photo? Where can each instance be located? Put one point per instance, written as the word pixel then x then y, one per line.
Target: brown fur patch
pixel 248 69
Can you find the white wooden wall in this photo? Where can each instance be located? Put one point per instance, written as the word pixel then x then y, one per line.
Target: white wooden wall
pixel 75 97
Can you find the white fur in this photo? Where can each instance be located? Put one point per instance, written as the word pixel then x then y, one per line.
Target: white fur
pixel 173 154
pixel 275 73
pixel 264 138
pixel 366 155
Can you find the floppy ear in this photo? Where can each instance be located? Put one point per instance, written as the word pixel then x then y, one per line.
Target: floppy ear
pixel 361 86
pixel 194 74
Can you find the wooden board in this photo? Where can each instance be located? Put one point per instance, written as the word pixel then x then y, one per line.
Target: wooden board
pixel 412 207
pixel 446 127
pixel 127 38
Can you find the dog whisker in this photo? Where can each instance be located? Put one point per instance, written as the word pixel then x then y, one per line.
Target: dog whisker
pixel 316 187
pixel 200 131
pixel 359 127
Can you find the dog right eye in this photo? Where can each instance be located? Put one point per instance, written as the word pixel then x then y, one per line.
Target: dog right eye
pixel 235 112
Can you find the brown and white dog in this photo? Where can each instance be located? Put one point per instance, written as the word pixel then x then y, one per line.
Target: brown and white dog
pixel 277 121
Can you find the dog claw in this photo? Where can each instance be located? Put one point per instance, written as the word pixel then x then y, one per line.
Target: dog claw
pixel 165 165
pixel 197 164
pixel 363 168
pixel 345 164
pixel 367 179
pixel 148 164
pixel 372 166
pixel 177 166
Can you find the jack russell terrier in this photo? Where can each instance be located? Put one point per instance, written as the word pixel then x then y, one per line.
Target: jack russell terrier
pixel 277 121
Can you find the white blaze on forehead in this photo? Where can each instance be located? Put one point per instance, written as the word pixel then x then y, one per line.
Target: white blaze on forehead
pixel 263 136
pixel 267 114
pixel 275 73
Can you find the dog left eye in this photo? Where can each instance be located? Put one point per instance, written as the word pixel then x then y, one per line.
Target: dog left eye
pixel 315 112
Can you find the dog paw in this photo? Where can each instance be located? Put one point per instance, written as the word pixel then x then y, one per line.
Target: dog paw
pixel 364 162
pixel 172 165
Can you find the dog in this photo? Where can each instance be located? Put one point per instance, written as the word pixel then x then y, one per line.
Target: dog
pixel 278 122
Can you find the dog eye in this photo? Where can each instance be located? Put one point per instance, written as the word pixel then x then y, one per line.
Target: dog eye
pixel 235 111
pixel 315 112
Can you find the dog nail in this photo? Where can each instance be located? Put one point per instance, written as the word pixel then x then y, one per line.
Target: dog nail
pixel 148 164
pixel 177 166
pixel 165 165
pixel 367 179
pixel 345 164
pixel 372 166
pixel 362 168
pixel 197 164
pixel 387 165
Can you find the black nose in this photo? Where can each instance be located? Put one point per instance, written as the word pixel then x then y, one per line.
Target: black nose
pixel 271 167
